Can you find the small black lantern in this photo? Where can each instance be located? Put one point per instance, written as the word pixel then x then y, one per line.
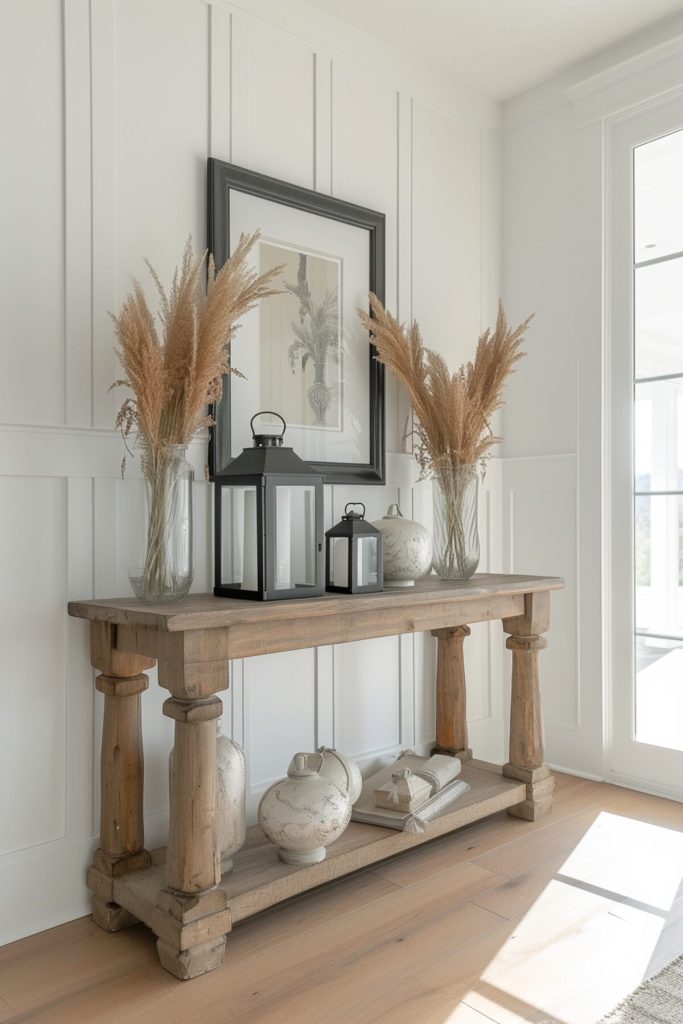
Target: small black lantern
pixel 354 554
pixel 268 523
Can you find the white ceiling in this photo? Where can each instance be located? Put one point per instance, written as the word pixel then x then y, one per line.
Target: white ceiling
pixel 499 48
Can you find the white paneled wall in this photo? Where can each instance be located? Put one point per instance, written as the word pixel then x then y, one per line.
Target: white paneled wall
pixel 32 186
pixel 540 529
pixel 32 589
pixel 110 110
pixel 447 158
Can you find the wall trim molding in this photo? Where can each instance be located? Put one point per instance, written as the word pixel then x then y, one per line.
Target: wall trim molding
pixel 593 86
pixel 625 69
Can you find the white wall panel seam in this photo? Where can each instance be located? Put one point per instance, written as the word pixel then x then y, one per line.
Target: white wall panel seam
pixel 105 203
pixel 314 125
pixel 239 86
pixel 77 241
pixel 322 123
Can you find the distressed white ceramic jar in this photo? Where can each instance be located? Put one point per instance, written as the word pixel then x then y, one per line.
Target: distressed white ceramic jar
pixel 341 770
pixel 231 797
pixel 305 812
pixel 407 549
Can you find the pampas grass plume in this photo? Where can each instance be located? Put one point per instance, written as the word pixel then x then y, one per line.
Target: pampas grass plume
pixel 174 377
pixel 453 411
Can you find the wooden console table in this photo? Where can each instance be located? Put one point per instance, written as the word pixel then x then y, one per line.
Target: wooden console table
pixel 178 892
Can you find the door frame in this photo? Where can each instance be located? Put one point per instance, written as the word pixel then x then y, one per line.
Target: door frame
pixel 629 763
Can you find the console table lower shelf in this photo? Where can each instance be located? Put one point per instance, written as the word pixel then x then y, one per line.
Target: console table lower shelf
pixel 179 892
pixel 259 879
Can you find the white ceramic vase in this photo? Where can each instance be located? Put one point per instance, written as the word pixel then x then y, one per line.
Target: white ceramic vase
pixel 407 547
pixel 231 797
pixel 305 812
pixel 341 770
pixel 231 793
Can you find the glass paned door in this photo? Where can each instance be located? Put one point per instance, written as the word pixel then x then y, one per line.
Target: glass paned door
pixel 658 440
pixel 646 389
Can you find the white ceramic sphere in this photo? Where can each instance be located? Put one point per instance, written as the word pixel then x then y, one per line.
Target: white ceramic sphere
pixel 304 813
pixel 341 770
pixel 407 547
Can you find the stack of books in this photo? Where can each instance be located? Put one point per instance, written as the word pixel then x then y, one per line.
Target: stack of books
pixel 410 792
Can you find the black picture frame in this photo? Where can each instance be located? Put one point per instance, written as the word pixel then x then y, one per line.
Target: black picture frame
pixel 223 178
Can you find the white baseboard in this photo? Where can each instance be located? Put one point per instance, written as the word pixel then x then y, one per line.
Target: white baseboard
pixel 574 771
pixel 651 788
pixel 626 782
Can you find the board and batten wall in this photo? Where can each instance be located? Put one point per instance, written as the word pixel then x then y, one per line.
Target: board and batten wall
pixel 109 111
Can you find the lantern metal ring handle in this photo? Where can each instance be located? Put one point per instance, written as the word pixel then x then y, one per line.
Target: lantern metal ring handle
pixel 355 504
pixel 267 412
pixel 266 438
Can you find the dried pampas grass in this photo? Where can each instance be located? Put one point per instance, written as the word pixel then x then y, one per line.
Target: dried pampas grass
pixel 174 378
pixel 452 421
pixel 453 410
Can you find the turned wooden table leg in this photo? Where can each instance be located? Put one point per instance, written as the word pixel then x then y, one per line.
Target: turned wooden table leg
pixel 192 857
pixel 122 839
pixel 451 695
pixel 192 940
pixel 527 743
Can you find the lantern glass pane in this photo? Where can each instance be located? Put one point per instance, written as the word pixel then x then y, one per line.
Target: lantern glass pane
pixel 367 562
pixel 294 537
pixel 339 561
pixel 239 538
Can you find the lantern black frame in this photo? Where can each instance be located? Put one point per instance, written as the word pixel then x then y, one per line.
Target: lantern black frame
pixel 265 481
pixel 353 532
pixel 224 178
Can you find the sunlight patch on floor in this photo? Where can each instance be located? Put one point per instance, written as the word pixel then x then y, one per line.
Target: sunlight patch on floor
pixel 598 920
pixel 568 937
pixel 632 859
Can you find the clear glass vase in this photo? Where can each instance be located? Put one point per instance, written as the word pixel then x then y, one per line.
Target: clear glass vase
pixel 456 533
pixel 161 567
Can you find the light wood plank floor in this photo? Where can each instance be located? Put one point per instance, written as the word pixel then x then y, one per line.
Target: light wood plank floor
pixel 505 921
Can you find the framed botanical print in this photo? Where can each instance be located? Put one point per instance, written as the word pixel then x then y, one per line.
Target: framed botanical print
pixel 303 352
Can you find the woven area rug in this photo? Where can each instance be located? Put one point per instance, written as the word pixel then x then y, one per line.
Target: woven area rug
pixel 657 1001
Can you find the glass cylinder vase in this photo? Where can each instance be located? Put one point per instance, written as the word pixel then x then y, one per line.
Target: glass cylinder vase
pixel 456 533
pixel 161 567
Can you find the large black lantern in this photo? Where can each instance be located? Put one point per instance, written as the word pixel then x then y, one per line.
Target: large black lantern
pixel 353 554
pixel 268 523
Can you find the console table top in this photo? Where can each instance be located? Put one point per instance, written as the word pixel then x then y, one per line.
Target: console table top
pixel 204 611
